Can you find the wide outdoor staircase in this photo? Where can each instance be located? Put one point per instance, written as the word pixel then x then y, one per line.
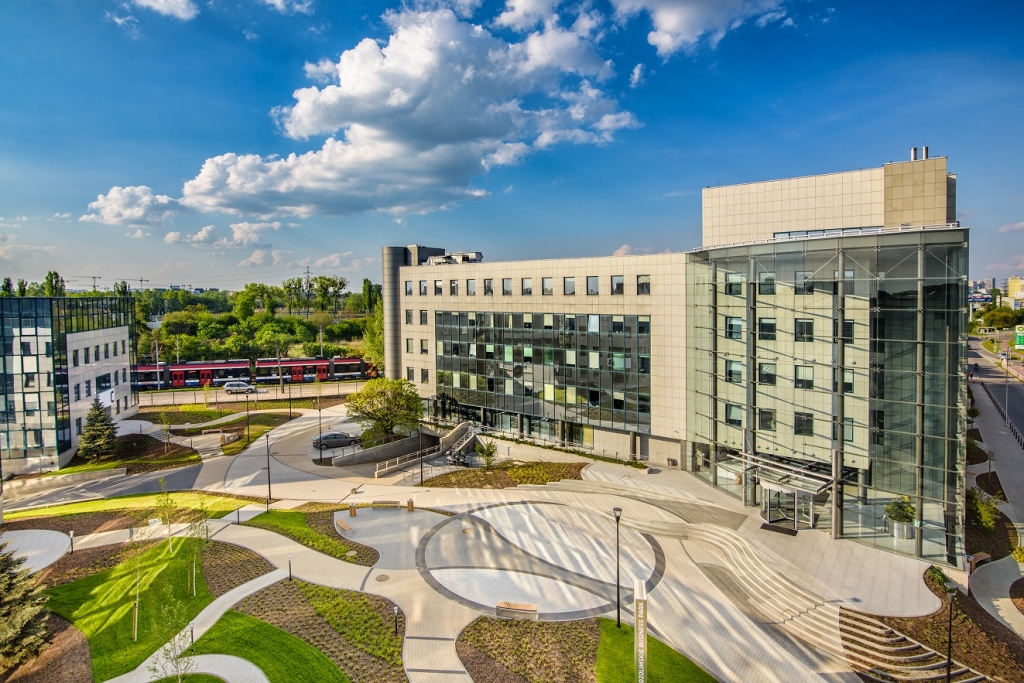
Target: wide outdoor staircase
pixel 873 649
pixel 464 440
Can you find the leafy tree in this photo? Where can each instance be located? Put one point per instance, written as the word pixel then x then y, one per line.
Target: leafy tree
pixel 122 289
pixel 171 662
pixel 53 284
pixel 386 406
pixel 1000 318
pixel 354 303
pixel 22 287
pixel 292 288
pixel 275 342
pixel 487 451
pixel 99 433
pixel 7 289
pixel 371 293
pixel 321 319
pixel 373 337
pixel 22 616
pixel 165 510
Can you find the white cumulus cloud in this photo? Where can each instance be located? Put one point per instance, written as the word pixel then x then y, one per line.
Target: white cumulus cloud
pixel 133 205
pixel 266 257
pixel 179 9
pixel 636 77
pixel 247 234
pixel 290 6
pixel 682 24
pixel 524 14
pixel 137 234
pixel 1012 227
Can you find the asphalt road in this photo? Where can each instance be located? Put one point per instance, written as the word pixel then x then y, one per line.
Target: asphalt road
pixel 1006 391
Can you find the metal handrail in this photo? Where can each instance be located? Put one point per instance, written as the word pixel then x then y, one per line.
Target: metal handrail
pixel 394 463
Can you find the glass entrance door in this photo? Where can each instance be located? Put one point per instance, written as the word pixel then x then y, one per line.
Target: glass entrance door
pixel 777 507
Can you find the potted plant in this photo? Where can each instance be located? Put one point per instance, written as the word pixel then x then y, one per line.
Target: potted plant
pixel 901 515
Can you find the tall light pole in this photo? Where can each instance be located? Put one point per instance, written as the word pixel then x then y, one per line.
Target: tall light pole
pixel 618 588
pixel 1006 386
pixel 951 592
pixel 268 470
pixel 419 433
pixel 320 420
pixel 248 435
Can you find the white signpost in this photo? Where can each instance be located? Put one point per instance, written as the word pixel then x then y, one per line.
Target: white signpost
pixel 640 632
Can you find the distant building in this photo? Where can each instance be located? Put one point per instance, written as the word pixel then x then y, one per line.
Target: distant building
pixel 1014 288
pixel 60 355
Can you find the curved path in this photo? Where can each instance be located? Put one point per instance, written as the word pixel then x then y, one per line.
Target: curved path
pixel 39 548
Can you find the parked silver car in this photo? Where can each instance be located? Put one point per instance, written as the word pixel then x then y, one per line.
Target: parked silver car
pixel 334 440
pixel 239 388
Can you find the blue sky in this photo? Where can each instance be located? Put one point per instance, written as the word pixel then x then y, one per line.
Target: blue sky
pixel 213 143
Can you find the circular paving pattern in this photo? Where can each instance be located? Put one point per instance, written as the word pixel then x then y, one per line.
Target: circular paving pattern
pixel 558 557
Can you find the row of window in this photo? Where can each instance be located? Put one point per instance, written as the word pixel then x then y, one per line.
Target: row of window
pixel 553 393
pixel 803 329
pixel 539 355
pixel 803 423
pixel 102 384
pixel 803 283
pixel 569 322
pixel 410 375
pixel 803 377
pixel 96 353
pixel 547 286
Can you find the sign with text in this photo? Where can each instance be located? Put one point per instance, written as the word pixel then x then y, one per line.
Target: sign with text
pixel 1020 337
pixel 640 632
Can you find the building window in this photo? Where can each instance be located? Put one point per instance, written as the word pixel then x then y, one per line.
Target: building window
pixel 644 365
pixel 423 346
pixel 408 316
pixel 410 374
pixel 847 431
pixel 408 287
pixel 74 358
pixel 592 286
pixel 618 286
pixel 470 287
pixel 527 286
pixel 547 286
pixel 803 424
pixel 618 400
pixel 847 336
pixel 115 349
pixel 423 317
pixel 423 287
pixel 766 283
pixel 88 387
pixel 29 380
pixel 766 420
pixel 733 371
pixel 734 284
pixel 96 355
pixel 117 379
pixel 78 426
pixel 106 351
pixel 438 288
pixel 506 286
pixel 488 287
pixel 643 403
pixel 643 325
pixel 733 328
pixel 424 375
pixel 78 392
pixel 86 360
pixel 766 329
pixel 618 324
pixel 804 377
pixel 733 415
pixel 804 331
pixel 26 348
pixel 643 284
pixel 802 283
pixel 766 374
pixel 453 288
pixel 876 421
pixel 847 381
pixel 569 286
pixel 124 376
pixel 408 345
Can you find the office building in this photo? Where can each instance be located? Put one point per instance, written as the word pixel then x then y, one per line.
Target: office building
pixel 808 358
pixel 1014 288
pixel 61 355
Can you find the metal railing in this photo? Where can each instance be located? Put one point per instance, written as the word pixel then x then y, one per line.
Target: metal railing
pixel 1002 413
pixel 829 233
pixel 401 461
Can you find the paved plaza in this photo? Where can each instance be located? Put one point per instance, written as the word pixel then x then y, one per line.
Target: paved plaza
pixel 744 603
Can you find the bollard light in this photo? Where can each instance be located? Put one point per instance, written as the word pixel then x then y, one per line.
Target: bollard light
pixel 396 620
pixel 72 535
pixel 289 567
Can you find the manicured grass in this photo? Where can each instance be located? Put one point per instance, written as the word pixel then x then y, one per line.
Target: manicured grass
pixel 665 665
pixel 253 434
pixel 175 416
pixel 353 616
pixel 217 505
pixel 101 607
pixel 507 475
pixel 282 657
pixel 269 419
pixel 137 453
pixel 292 523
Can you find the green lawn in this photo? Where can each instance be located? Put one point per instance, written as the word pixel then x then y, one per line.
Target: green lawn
pixel 101 607
pixel 282 657
pixel 217 505
pixel 175 416
pixel 271 419
pixel 665 665
pixel 292 523
pixel 353 616
pixel 170 461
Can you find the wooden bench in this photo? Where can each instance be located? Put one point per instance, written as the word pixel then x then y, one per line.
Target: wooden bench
pixel 342 525
pixel 515 610
pixel 978 559
pixel 387 503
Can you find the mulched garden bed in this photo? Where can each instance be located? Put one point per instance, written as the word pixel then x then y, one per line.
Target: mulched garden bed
pixel 320 518
pixel 990 485
pixel 512 651
pixel 998 543
pixel 285 605
pixel 66 659
pixel 1017 594
pixel 507 475
pixel 979 640
pixel 93 522
pixel 227 566
pixel 976 455
pixel 86 562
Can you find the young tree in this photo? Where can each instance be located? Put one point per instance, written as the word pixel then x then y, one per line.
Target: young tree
pixel 53 284
pixel 165 509
pixel 373 337
pixel 386 406
pixel 22 287
pixel 99 433
pixel 22 616
pixel 487 451
pixel 7 289
pixel 198 535
pixel 122 289
pixel 165 427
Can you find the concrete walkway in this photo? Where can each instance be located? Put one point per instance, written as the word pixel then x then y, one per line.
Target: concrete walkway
pixel 39 548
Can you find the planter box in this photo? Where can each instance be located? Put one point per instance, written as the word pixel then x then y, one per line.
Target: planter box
pixel 904 530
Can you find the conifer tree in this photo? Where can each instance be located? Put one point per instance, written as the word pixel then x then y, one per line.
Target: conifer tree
pixel 98 434
pixel 22 616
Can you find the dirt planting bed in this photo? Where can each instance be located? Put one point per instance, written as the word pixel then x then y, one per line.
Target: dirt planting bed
pixel 66 659
pixel 286 606
pixel 85 562
pixel 510 651
pixel 92 522
pixel 227 566
pixel 507 475
pixel 990 485
pixel 320 518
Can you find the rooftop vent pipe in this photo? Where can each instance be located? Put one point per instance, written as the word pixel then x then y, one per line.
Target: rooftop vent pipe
pixel 924 152
pixel 913 153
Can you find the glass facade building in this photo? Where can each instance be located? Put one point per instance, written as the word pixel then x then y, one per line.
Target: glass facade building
pixel 826 379
pixel 41 339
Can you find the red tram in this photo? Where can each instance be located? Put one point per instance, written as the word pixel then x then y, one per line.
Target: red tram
pixel 264 370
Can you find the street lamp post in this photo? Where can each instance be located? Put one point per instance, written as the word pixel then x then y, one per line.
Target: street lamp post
pixel 1006 386
pixel 419 433
pixel 618 589
pixel 951 592
pixel 396 620
pixel 289 400
pixel 248 434
pixel 268 471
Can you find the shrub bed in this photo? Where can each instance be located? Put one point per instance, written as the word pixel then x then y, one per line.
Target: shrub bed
pixel 507 475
